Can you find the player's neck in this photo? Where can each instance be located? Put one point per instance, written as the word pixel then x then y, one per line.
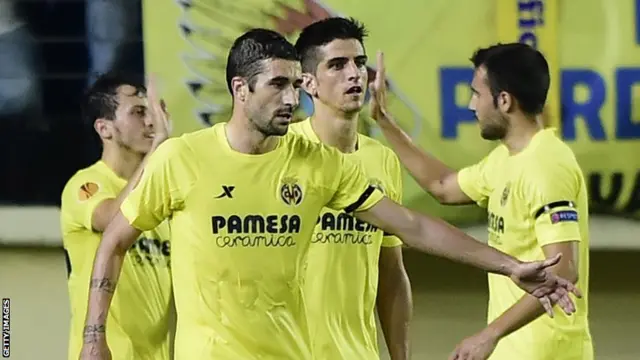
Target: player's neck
pixel 520 134
pixel 243 138
pixel 338 130
pixel 122 162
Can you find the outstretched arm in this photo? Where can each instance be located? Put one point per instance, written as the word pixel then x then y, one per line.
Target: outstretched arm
pixel 436 237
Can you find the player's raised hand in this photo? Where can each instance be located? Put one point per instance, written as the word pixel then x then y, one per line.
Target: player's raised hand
pixel 536 279
pixel 158 113
pixel 378 89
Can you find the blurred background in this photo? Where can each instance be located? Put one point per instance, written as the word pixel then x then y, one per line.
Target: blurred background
pixel 51 50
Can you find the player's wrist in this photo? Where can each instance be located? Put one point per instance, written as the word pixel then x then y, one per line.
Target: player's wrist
pixel 493 332
pixel 94 333
pixel 509 266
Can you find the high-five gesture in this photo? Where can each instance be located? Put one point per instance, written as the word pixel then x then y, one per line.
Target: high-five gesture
pixel 158 113
pixel 378 88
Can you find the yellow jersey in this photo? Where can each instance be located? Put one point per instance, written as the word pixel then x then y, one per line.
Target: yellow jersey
pixel 341 275
pixel 242 226
pixel 535 198
pixel 138 321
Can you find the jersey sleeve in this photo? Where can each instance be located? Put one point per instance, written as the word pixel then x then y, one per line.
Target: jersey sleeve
pixel 351 189
pixel 82 195
pixel 163 187
pixel 395 193
pixel 474 181
pixel 551 192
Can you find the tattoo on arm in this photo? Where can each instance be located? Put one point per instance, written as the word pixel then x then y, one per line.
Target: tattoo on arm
pixel 105 285
pixel 93 333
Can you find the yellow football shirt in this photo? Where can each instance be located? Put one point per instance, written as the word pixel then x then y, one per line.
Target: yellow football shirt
pixel 535 198
pixel 341 280
pixel 137 325
pixel 242 226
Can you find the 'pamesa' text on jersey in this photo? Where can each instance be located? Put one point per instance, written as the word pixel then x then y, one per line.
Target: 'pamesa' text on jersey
pixel 255 230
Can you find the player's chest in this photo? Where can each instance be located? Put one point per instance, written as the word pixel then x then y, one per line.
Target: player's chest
pixel 508 221
pixel 267 187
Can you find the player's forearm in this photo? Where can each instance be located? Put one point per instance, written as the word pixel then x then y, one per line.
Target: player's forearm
pixel 426 169
pixel 394 311
pixel 523 312
pixel 436 237
pixel 106 271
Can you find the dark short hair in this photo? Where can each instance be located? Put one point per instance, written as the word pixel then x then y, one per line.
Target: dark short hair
pixel 250 50
pixel 101 99
pixel 323 32
pixel 518 69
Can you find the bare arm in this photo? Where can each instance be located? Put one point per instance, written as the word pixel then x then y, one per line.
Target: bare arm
pixel 523 312
pixel 433 175
pixel 394 302
pixel 117 238
pixel 436 237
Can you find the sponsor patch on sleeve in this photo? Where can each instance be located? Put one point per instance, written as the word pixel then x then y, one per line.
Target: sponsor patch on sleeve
pixel 564 215
pixel 87 190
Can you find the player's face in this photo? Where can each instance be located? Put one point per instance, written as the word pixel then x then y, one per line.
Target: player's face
pixel 131 128
pixel 275 97
pixel 341 75
pixel 493 122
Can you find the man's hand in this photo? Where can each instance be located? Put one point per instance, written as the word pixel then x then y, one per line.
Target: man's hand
pixel 158 114
pixel 477 347
pixel 378 89
pixel 95 344
pixel 548 288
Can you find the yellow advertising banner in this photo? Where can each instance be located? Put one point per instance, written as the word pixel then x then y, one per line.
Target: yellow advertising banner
pixel 593 48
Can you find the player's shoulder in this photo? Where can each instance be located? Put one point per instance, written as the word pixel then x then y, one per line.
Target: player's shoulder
pixel 552 153
pixel 91 177
pixel 302 146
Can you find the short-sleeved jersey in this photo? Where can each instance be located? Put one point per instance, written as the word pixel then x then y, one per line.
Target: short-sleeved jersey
pixel 137 324
pixel 341 275
pixel 242 226
pixel 535 198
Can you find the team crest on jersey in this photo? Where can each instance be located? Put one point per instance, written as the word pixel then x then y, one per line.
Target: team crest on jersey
pixel 505 194
pixel 87 190
pixel 291 192
pixel 377 184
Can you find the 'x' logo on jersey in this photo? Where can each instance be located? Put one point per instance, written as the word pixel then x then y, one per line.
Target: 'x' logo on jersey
pixel 226 192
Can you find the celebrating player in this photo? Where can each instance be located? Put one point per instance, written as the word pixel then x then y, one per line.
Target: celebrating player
pixel 347 254
pixel 131 127
pixel 243 198
pixel 536 196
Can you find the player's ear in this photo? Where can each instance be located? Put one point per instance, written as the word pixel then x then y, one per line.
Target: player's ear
pixel 506 102
pixel 104 128
pixel 240 88
pixel 310 84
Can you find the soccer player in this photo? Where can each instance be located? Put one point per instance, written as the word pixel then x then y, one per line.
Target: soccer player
pixel 130 129
pixel 346 254
pixel 243 199
pixel 536 198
